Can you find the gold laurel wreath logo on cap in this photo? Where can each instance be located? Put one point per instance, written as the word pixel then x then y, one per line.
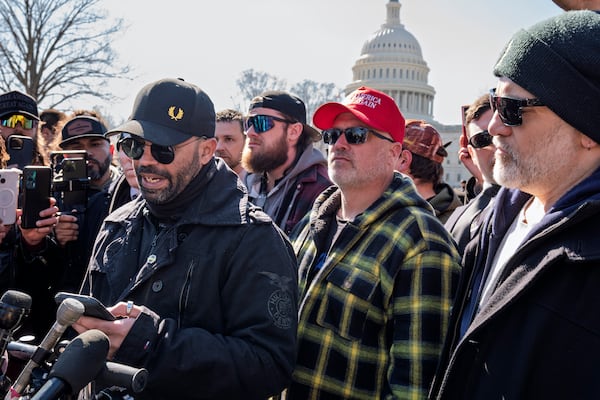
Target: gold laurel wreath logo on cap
pixel 172 113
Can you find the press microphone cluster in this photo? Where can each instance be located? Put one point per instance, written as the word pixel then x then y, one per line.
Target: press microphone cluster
pixel 131 379
pixel 67 314
pixel 81 361
pixel 14 307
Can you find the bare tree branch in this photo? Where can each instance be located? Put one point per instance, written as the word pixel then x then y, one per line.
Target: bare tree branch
pixel 58 50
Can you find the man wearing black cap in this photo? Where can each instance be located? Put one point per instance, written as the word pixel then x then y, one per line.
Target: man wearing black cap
pixel 527 324
pixel 204 281
pixel 87 133
pixel 286 173
pixel 19 116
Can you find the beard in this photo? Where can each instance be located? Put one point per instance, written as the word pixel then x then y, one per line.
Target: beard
pixel 515 169
pixel 177 182
pixel 263 159
pixel 347 174
pixel 96 174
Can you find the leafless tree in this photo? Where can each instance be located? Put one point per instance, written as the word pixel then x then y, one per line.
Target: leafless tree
pixel 251 83
pixel 314 94
pixel 57 50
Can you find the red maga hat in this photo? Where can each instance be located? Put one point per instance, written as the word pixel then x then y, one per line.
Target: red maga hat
pixel 374 108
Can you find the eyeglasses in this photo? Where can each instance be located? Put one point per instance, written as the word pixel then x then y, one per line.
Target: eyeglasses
pixel 13 120
pixel 511 110
pixel 263 123
pixel 480 140
pixel 354 135
pixel 134 148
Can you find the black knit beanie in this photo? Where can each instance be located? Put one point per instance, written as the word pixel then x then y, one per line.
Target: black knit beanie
pixel 558 61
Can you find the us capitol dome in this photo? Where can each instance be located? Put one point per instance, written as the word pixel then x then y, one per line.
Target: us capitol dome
pixel 391 61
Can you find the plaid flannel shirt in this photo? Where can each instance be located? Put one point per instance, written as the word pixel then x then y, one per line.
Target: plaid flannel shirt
pixel 373 317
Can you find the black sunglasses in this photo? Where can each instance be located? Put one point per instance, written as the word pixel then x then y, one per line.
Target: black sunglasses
pixel 354 135
pixel 480 140
pixel 134 148
pixel 263 123
pixel 511 110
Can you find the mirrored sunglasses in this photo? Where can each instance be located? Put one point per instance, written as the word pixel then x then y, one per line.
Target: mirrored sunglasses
pixel 480 140
pixel 354 135
pixel 13 120
pixel 263 123
pixel 511 110
pixel 134 149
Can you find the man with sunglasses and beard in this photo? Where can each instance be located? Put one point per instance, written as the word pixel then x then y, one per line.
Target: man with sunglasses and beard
pixel 377 270
pixel 465 222
pixel 203 282
pixel 285 172
pixel 527 323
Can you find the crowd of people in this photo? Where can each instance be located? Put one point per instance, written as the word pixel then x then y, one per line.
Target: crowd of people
pixel 242 262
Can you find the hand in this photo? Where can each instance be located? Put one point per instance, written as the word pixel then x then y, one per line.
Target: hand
pixel 465 158
pixel 115 330
pixel 44 226
pixel 67 229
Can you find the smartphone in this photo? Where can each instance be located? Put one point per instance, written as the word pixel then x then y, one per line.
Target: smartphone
pixel 36 182
pixel 20 150
pixel 9 194
pixel 71 179
pixel 93 306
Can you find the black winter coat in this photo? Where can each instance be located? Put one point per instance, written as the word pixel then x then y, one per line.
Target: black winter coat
pixel 222 281
pixel 538 336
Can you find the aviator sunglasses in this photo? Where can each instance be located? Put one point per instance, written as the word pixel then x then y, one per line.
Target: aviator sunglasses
pixel 263 123
pixel 13 120
pixel 511 110
pixel 134 148
pixel 480 140
pixel 354 135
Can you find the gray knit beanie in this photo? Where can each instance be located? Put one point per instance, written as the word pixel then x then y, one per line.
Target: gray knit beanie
pixel 558 61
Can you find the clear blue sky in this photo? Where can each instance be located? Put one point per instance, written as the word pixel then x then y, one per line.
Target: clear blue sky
pixel 210 43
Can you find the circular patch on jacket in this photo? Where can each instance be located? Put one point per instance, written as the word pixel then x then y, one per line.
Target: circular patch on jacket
pixel 280 308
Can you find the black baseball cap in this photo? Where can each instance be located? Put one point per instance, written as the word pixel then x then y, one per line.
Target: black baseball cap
pixel 287 104
pixel 82 126
pixel 168 112
pixel 16 102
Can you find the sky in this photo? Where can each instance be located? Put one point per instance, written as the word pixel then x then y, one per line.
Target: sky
pixel 212 42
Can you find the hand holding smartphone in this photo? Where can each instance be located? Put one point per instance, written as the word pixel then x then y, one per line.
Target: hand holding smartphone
pixel 93 307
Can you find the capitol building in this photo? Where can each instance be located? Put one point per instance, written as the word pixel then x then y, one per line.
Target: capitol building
pixel 391 61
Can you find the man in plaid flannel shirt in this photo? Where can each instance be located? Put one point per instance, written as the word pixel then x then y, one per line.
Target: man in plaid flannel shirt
pixel 377 270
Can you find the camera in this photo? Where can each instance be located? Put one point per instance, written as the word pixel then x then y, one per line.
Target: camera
pixel 70 182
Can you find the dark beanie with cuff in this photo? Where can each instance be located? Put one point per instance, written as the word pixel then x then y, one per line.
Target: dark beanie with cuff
pixel 558 61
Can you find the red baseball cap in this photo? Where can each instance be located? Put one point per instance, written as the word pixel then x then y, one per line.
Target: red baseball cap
pixel 423 139
pixel 374 108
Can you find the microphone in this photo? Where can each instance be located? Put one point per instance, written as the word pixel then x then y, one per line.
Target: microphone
pixel 121 375
pixel 14 307
pixel 113 374
pixel 80 362
pixel 68 312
